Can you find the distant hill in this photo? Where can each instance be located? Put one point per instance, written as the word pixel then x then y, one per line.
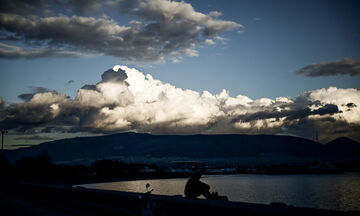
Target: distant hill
pixel 343 147
pixel 137 147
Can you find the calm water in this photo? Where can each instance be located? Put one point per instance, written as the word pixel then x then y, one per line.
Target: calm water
pixel 333 191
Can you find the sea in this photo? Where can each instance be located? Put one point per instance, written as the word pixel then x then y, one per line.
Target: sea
pixel 323 191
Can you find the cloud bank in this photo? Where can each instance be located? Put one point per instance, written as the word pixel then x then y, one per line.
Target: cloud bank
pixel 127 100
pixel 345 66
pixel 165 29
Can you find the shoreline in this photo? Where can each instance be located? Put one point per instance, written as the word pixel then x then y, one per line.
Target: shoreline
pixel 17 197
pixel 187 175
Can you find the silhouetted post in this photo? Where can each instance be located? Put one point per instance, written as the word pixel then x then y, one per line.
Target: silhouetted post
pixel 2 140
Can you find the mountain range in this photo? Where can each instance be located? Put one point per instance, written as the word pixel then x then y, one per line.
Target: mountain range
pixel 136 147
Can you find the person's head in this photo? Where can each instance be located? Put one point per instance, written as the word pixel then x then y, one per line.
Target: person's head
pixel 197 175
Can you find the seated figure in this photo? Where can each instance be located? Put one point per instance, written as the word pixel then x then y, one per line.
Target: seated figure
pixel 194 188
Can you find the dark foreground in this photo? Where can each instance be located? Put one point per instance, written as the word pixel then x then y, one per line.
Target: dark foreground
pixel 33 199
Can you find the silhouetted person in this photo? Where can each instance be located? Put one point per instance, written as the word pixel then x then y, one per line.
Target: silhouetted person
pixel 194 188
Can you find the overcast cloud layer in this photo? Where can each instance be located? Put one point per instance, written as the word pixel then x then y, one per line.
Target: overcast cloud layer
pixel 127 100
pixel 61 29
pixel 345 66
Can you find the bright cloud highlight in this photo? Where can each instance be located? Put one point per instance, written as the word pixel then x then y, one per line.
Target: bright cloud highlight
pixel 128 100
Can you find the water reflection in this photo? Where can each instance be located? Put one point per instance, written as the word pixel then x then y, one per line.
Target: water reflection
pixel 161 186
pixel 337 191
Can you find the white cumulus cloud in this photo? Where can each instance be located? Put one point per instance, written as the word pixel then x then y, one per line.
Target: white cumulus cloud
pixel 128 100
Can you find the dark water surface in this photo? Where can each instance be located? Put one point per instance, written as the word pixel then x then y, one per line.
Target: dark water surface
pixel 330 191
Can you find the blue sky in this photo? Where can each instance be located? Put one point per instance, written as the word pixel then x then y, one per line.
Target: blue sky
pixel 257 60
pixel 278 38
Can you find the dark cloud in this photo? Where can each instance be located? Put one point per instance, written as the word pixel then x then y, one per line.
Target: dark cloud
pixel 34 137
pixel 113 76
pixel 26 96
pixel 345 66
pixel 82 7
pixel 34 90
pixel 171 29
pixel 22 145
pixel 24 7
pixel 15 52
pixel 70 82
pixel 88 87
pixel 291 112
pixel 39 89
pixel 326 109
pixel 45 7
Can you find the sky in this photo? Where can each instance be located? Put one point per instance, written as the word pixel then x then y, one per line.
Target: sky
pixel 253 67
